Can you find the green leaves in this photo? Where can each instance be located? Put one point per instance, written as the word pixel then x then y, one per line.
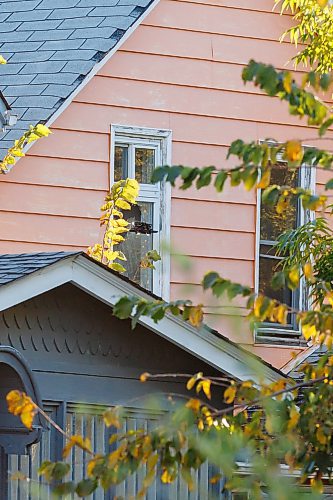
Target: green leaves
pixel 205 177
pixel 220 286
pixel 278 280
pixel 134 307
pixel 280 84
pixel 264 76
pixel 167 174
pixel 86 487
pixel 54 471
pixel 188 175
pixel 254 171
pixel 147 262
pixel 271 194
pixel 220 181
pixel 325 126
pixel 124 307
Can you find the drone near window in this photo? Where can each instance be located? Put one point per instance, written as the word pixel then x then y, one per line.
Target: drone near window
pixel 139 227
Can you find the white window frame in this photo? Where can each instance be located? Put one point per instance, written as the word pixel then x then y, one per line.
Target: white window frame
pixel 159 194
pixel 287 336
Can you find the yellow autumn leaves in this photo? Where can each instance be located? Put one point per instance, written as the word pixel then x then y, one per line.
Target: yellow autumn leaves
pixel 33 134
pixel 202 383
pixel 122 196
pixel 81 442
pixel 266 309
pixel 322 3
pixel 316 335
pixel 17 150
pixel 294 152
pixel 21 405
pixel 195 315
pixel 230 394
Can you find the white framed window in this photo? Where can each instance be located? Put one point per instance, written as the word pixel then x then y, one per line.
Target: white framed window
pixel 270 226
pixel 135 153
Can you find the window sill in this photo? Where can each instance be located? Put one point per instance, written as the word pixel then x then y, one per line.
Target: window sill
pixel 277 337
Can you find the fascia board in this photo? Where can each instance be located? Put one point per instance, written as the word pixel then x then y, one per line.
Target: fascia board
pixel 299 359
pixel 35 283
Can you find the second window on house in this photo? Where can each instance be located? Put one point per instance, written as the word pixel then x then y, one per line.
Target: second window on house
pixel 270 226
pixel 135 153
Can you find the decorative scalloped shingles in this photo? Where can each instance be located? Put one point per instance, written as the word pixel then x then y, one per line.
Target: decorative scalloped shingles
pixel 51 46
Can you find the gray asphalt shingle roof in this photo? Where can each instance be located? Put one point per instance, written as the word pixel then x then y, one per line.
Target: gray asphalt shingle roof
pixel 50 46
pixel 312 359
pixel 15 266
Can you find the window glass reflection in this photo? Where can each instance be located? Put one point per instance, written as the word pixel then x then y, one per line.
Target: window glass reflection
pixel 271 223
pixel 144 165
pixel 120 163
pixel 136 246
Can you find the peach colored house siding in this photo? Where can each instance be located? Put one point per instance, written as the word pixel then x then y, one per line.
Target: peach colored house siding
pixel 179 70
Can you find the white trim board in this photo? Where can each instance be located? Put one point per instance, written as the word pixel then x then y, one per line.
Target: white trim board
pixel 106 286
pixel 299 359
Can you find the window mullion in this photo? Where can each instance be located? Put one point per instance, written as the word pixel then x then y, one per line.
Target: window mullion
pixel 131 161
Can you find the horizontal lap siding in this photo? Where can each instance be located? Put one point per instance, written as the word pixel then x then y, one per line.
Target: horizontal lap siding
pixel 82 174
pixel 230 217
pixel 258 5
pixel 50 200
pixel 212 243
pixel 46 230
pixel 216 19
pixel 222 47
pixel 186 100
pixel 193 271
pixel 188 128
pixel 179 70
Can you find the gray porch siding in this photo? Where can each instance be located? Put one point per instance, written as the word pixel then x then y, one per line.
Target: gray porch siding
pixel 84 359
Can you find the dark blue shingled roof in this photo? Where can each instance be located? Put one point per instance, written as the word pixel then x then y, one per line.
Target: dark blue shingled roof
pixel 13 267
pixel 312 359
pixel 50 46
